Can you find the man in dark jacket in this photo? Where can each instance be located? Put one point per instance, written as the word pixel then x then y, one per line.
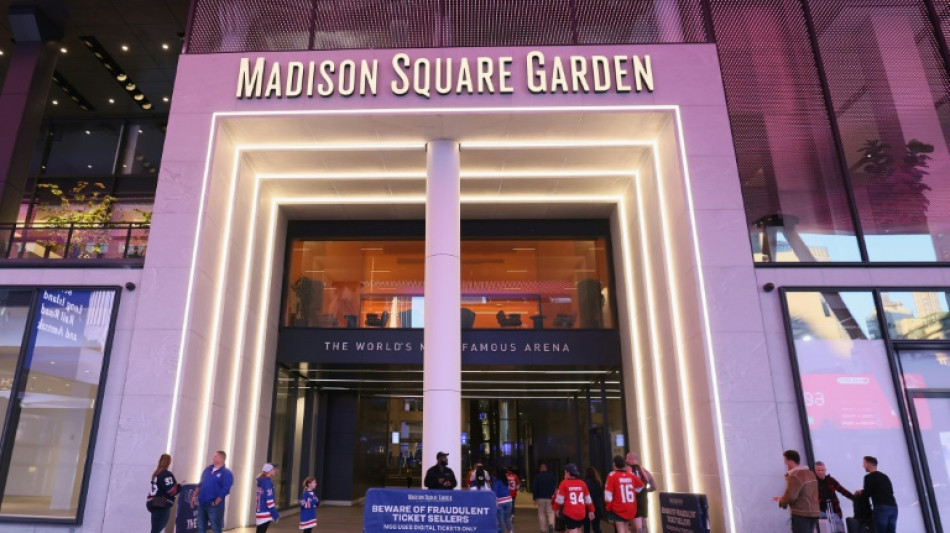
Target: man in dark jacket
pixel 877 486
pixel 542 490
pixel 440 476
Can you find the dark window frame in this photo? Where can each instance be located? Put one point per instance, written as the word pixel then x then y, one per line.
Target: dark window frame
pixel 9 427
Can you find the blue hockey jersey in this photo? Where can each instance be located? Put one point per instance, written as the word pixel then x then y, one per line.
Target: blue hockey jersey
pixel 308 510
pixel 265 509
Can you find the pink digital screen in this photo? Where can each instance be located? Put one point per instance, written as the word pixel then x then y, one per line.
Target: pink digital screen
pixel 849 401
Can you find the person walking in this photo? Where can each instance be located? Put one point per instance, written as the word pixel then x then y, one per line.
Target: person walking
pixel 573 499
pixel 503 500
pixel 308 505
pixel 878 487
pixel 265 510
pixel 643 507
pixel 161 495
pixel 514 485
pixel 542 490
pixel 440 476
pixel 596 488
pixel 801 494
pixel 620 495
pixel 214 487
pixel 480 479
pixel 828 502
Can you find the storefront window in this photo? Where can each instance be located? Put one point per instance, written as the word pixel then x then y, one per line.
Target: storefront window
pixel 51 423
pixel 848 393
pixel 893 121
pixel 15 309
pixel 506 284
pixel 795 198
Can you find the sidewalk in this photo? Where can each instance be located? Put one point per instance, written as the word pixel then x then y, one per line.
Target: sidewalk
pixel 350 519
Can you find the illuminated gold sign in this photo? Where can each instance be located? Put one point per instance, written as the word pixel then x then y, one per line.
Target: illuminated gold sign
pixel 442 76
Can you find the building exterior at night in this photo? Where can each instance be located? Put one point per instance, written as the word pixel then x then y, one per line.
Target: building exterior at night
pixel 343 236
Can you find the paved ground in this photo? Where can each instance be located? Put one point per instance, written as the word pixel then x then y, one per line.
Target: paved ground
pixel 350 520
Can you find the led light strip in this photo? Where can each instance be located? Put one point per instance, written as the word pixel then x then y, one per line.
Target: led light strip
pixel 713 374
pixel 680 351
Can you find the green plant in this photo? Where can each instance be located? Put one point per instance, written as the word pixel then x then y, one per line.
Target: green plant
pixel 85 209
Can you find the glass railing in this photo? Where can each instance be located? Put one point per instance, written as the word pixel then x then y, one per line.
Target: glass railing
pixel 77 241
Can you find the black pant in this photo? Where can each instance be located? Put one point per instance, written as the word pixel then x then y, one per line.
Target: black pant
pixel 160 519
pixel 263 527
pixel 592 524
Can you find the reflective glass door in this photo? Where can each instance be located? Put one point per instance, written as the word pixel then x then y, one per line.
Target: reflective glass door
pixel 931 419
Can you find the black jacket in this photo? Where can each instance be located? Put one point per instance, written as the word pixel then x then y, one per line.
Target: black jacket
pixel 543 486
pixel 437 476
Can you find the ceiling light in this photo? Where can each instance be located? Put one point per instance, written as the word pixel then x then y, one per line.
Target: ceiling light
pixel 130 86
pixel 146 106
pixel 55 102
pixel 125 48
pixel 138 97
pixel 111 100
pixel 88 132
pixel 165 99
pixel 1 52
pixel 63 50
pixel 121 76
pixel 88 166
pixel 165 46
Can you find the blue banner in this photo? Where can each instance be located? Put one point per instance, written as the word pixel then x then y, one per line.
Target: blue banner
pixel 453 511
pixel 682 512
pixel 186 518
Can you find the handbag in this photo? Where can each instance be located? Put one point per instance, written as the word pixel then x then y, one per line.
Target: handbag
pixel 158 502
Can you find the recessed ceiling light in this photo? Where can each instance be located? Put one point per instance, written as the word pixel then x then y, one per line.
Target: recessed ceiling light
pixel 140 131
pixel 55 102
pixel 63 50
pixel 165 99
pixel 88 132
pixel 121 76
pixel 130 86
pixel 125 48
pixel 138 97
pixel 146 106
pixel 165 46
pixel 111 100
pixel 1 52
pixel 88 166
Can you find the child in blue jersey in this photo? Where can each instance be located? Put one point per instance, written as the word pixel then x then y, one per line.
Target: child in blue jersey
pixel 502 500
pixel 265 510
pixel 308 505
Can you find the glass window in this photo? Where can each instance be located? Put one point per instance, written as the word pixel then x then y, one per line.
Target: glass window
pixel 795 198
pixel 509 284
pixel 56 413
pixel 893 120
pixel 142 149
pixel 848 392
pixel 281 451
pixel 83 149
pixel 925 369
pixel 15 311
pixel 917 315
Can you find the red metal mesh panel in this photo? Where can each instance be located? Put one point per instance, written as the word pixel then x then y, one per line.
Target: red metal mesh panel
pixel 783 136
pixel 890 92
pixel 261 25
pixel 640 21
pixel 264 25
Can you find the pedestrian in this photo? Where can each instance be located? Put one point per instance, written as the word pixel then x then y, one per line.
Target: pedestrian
pixel 542 490
pixel 503 500
pixel 470 479
pixel 266 511
pixel 440 476
pixel 801 494
pixel 620 496
pixel 481 480
pixel 214 487
pixel 878 487
pixel 573 499
pixel 596 488
pixel 161 495
pixel 514 485
pixel 828 487
pixel 308 505
pixel 643 507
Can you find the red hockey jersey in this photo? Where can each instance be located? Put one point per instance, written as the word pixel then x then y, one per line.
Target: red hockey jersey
pixel 573 496
pixel 620 493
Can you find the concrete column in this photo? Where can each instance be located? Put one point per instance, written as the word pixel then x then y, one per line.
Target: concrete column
pixel 442 356
pixel 23 99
